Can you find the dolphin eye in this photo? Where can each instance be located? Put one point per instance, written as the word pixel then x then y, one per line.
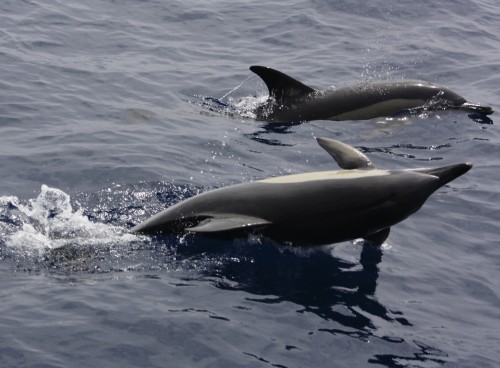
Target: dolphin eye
pixel 393 197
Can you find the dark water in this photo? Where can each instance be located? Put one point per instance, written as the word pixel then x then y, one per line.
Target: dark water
pixel 111 110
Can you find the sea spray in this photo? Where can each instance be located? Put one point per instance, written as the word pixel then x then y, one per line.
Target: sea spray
pixel 49 222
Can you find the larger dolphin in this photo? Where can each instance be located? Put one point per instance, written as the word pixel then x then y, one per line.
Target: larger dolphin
pixel 312 208
pixel 292 101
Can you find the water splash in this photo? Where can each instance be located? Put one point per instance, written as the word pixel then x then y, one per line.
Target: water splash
pixel 235 88
pixel 239 102
pixel 49 222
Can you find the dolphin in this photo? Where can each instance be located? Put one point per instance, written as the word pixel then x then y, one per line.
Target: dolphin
pixel 292 101
pixel 312 208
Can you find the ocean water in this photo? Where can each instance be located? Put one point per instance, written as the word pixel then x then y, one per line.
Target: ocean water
pixel 111 110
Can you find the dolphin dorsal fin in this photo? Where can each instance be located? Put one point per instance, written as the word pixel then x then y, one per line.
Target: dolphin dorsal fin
pixel 346 156
pixel 281 86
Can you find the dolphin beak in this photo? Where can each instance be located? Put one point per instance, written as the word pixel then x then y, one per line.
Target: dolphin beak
pixel 476 108
pixel 447 173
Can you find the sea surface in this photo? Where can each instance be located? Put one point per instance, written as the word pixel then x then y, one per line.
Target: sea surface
pixel 111 110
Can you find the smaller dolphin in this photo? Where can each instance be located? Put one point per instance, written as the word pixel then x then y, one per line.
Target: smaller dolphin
pixel 310 208
pixel 291 101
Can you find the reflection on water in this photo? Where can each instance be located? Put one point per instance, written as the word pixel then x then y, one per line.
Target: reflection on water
pixel 340 292
pixel 268 129
pixel 480 118
pixel 406 148
pixel 244 108
pixel 427 354
pixel 329 287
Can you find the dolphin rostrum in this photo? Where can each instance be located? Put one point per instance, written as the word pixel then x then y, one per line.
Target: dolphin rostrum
pixel 292 101
pixel 323 207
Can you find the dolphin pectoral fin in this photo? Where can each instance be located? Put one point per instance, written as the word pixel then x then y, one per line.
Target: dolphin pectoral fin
pixel 228 223
pixel 347 157
pixel 379 237
pixel 281 86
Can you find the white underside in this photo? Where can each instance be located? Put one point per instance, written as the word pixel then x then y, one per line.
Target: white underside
pixel 385 108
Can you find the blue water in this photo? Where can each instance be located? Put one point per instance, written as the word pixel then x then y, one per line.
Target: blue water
pixel 109 112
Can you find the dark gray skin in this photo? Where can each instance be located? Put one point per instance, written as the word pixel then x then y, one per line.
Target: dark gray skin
pixel 292 101
pixel 310 209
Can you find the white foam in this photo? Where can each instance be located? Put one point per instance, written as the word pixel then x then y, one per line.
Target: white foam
pixel 245 106
pixel 49 222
